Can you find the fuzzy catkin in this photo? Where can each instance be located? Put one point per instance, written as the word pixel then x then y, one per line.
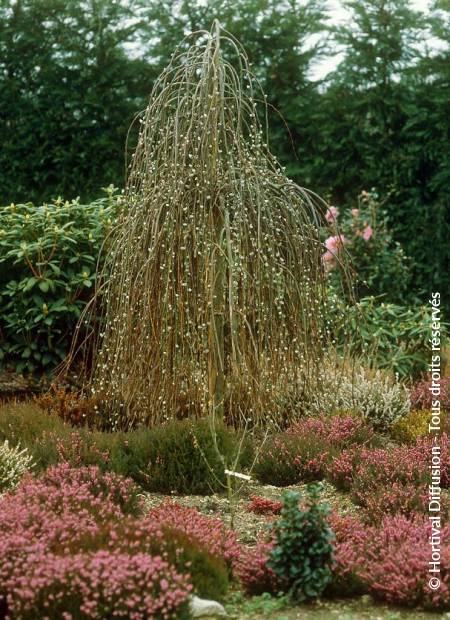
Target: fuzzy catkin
pixel 213 291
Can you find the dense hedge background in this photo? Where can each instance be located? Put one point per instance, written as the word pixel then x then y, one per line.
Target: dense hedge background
pixel 74 74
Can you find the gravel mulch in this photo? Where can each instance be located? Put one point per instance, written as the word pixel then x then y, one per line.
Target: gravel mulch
pixel 247 524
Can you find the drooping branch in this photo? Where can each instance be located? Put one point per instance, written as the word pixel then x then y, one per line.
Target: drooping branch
pixel 213 289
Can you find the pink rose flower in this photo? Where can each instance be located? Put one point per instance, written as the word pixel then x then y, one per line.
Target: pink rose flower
pixel 332 214
pixel 335 244
pixel 367 233
pixel 328 260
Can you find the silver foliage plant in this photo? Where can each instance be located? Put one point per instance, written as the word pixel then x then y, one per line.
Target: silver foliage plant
pixel 14 463
pixel 377 395
pixel 213 290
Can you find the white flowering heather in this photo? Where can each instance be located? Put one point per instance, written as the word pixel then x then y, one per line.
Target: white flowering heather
pixel 378 396
pixel 213 289
pixel 14 462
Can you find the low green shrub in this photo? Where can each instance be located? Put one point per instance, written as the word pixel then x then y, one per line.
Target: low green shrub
pixel 48 258
pixel 207 572
pixel 277 462
pixel 180 457
pixel 50 440
pixel 303 553
pixel 27 425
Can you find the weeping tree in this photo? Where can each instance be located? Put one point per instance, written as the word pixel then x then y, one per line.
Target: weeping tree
pixel 212 290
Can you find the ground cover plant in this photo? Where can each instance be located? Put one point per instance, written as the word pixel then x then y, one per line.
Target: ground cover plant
pixel 368 559
pixel 386 484
pixel 304 450
pixel 178 457
pixel 71 521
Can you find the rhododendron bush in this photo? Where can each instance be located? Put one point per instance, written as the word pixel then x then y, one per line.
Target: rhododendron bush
pixel 85 528
pixel 363 233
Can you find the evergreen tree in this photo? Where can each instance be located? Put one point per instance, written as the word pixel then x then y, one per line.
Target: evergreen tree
pixel 68 92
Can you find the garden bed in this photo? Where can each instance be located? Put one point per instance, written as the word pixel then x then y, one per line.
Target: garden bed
pixel 248 524
pixel 371 482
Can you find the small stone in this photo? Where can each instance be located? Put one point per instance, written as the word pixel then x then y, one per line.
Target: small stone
pixel 202 608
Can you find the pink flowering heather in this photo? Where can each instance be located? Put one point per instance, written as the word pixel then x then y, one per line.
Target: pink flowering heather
pixel 396 498
pixel 211 533
pixel 325 437
pixel 390 560
pixel 364 469
pixel 392 481
pixel 336 431
pixel 424 446
pixel 405 463
pixel 421 397
pixel 378 467
pixel 62 527
pixel 264 506
pixel 332 214
pixel 252 570
pixel 63 487
pixel 350 538
pixel 340 469
pixel 304 450
pixel 73 450
pixel 61 511
pixel 99 585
